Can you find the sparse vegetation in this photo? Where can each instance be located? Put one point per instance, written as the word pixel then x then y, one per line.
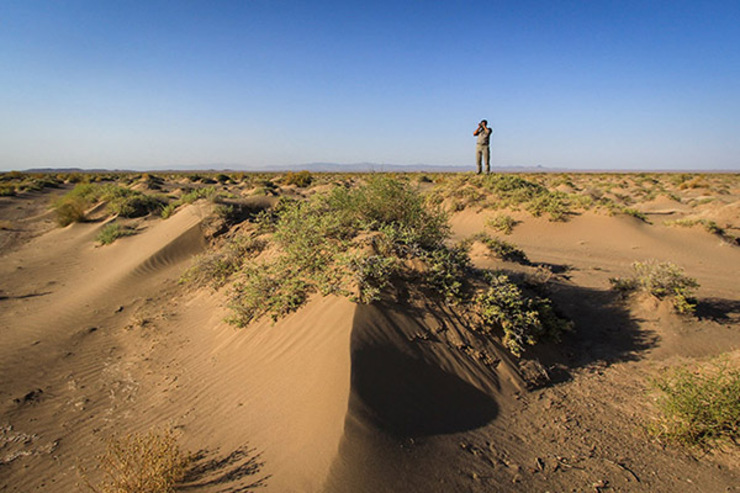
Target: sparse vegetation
pixel 111 232
pixel 662 280
pixel 698 407
pixel 631 211
pixel 215 268
pixel 362 242
pixel 502 223
pixel 524 320
pixel 299 179
pixel 122 201
pixel 502 249
pixel 141 463
pixel 189 197
pixel 708 225
pixel 320 239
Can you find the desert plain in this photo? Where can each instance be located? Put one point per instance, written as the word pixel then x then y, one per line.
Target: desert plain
pixel 366 332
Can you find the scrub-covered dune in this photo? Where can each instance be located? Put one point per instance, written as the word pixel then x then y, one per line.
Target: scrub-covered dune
pixel 352 333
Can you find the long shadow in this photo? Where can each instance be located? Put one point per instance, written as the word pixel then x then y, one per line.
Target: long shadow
pixel 604 331
pixel 229 471
pixel 718 310
pixel 409 397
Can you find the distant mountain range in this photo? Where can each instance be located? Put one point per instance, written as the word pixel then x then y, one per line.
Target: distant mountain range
pixel 313 167
pixel 370 168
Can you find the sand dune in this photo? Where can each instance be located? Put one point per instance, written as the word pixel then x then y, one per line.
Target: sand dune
pixel 346 397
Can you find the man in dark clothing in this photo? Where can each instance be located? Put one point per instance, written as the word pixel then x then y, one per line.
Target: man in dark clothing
pixel 482 147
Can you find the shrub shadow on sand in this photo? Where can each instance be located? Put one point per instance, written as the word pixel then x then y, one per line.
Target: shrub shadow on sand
pixel 227 474
pixel 605 332
pixel 409 397
pixel 718 310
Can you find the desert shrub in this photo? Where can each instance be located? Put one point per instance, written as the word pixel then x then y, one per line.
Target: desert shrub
pixel 141 463
pixel 111 232
pixel 371 275
pixel 317 237
pixel 362 242
pixel 189 197
pixel 198 193
pixel 502 249
pixel 662 280
pixel 709 225
pixel 168 210
pixel 695 182
pixel 513 185
pixel 384 201
pixel 71 206
pixel 501 222
pixel 7 190
pixel 37 183
pixel 523 320
pixel 554 203
pixel 630 211
pixel 122 201
pixel 134 205
pixel 76 178
pixel 267 289
pixel 299 179
pixel 215 268
pixel 69 212
pixel 265 187
pixel 446 270
pixel 698 407
pixel 11 176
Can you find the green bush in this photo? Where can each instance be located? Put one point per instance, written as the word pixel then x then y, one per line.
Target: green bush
pixel 446 271
pixel 554 203
pixel 122 201
pixel 384 201
pixel 268 289
pixel 317 239
pixel 189 197
pixel 299 179
pixel 111 232
pixel 502 249
pixel 636 214
pixel 371 274
pixel 662 280
pixel 134 205
pixel 364 242
pixel 523 320
pixel 709 226
pixel 71 206
pixel 698 407
pixel 216 268
pixel 7 190
pixel 501 222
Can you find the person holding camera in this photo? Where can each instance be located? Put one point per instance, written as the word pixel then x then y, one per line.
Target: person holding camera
pixel 482 147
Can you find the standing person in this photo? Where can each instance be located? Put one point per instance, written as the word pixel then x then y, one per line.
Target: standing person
pixel 482 148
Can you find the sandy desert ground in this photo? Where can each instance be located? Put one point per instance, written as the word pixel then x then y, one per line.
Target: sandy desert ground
pixel 399 394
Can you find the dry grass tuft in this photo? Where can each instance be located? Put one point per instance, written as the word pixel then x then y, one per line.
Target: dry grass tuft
pixel 698 407
pixel 141 463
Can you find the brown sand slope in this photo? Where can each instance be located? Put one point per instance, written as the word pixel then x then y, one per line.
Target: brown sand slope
pixel 97 340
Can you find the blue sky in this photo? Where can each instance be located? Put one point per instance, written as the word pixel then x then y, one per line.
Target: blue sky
pixel 579 84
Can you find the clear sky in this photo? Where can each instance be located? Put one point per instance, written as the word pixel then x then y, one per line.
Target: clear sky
pixel 581 84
